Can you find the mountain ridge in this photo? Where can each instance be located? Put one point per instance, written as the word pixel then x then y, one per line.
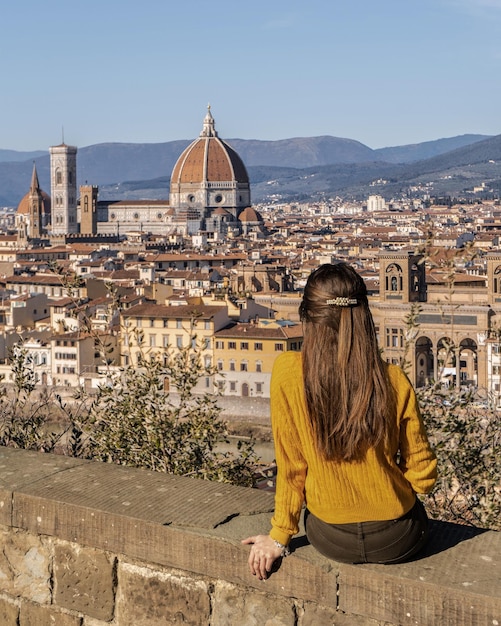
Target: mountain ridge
pixel 295 168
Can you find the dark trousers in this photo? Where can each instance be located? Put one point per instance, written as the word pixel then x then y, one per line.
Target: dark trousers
pixel 390 541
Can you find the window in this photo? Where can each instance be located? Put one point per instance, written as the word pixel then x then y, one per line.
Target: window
pixel 232 345
pixel 244 345
pixel 179 341
pixel 220 365
pixel 259 366
pixel 165 341
pixel 179 323
pixel 152 323
pixel 207 325
pixel 279 347
pixel 139 322
pixel 233 385
pixel 243 366
pixel 219 345
pixel 394 338
pixel 166 323
pixel 153 341
pixel 259 387
pixel 232 366
pixel 258 345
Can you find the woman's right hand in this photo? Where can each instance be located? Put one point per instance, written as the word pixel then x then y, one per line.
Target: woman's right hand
pixel 264 552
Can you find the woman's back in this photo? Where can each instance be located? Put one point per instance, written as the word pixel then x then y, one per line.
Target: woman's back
pixel 372 487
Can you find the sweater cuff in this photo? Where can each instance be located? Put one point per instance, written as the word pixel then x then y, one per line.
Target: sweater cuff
pixel 280 536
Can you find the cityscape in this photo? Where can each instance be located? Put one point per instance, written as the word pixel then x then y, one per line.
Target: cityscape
pixel 177 445
pixel 208 252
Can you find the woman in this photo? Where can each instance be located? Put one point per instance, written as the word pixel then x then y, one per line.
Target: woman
pixel 349 439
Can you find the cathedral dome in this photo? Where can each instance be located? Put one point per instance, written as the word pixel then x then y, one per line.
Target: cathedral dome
pixel 250 214
pixel 209 159
pixel 208 175
pixel 23 207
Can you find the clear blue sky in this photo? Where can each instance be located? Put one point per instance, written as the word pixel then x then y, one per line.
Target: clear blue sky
pixel 385 73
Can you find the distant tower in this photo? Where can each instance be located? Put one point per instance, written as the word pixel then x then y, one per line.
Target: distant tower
pixel 401 277
pixel 376 203
pixel 33 212
pixel 88 209
pixel 35 209
pixel 63 188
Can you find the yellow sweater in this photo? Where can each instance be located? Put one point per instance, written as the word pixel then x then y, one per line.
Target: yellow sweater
pixel 376 488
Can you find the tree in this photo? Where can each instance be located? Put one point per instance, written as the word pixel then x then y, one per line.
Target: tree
pixel 466 437
pixel 134 421
pixel 28 415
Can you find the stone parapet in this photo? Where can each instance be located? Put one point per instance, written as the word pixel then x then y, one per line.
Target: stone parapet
pixel 87 544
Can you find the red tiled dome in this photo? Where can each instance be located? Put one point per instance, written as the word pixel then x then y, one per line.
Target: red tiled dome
pixel 23 207
pixel 250 215
pixel 209 159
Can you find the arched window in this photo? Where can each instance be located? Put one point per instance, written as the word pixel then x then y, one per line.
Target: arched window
pixel 394 278
pixel 496 285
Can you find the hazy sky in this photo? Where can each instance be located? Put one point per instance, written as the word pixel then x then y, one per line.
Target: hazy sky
pixel 386 72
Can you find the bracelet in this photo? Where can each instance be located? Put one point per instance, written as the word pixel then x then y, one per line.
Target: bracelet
pixel 284 549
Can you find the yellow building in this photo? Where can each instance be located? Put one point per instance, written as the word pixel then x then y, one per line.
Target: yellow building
pixel 154 328
pixel 244 354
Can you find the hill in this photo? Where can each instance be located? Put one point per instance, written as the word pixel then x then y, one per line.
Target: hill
pixel 287 169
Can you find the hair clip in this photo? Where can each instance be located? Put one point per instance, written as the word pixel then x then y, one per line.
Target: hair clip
pixel 342 301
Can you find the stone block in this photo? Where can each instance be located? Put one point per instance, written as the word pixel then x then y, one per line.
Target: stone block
pixel 36 615
pixel 147 597
pixel 248 607
pixel 9 613
pixel 84 580
pixel 388 597
pixel 24 566
pixel 314 615
pixel 5 506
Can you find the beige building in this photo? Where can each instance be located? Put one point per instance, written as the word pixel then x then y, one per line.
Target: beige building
pixel 448 338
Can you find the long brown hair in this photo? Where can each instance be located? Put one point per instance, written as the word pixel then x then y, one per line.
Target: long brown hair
pixel 349 398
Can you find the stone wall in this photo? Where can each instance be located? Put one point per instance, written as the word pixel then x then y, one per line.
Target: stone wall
pixel 85 543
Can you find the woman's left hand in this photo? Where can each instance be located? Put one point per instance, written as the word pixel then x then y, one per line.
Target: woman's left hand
pixel 263 554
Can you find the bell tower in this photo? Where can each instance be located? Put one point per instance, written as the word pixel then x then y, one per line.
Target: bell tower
pixel 88 209
pixel 63 188
pixel 402 277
